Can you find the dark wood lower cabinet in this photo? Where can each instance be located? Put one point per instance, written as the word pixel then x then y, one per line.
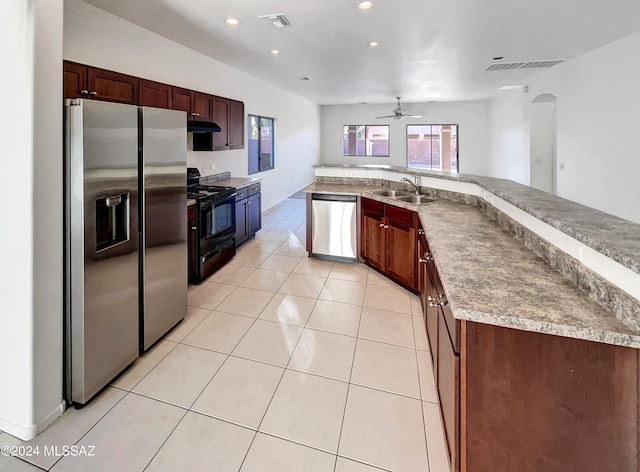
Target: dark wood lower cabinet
pixel 388 241
pixel 192 231
pixel 248 212
pixel 519 401
pixel 536 402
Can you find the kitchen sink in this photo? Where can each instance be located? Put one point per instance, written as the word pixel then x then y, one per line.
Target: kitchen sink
pixel 391 193
pixel 416 199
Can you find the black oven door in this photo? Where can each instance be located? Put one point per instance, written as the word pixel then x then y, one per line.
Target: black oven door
pixel 217 223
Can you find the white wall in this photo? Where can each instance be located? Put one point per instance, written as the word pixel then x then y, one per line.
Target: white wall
pixel 94 37
pixel 506 127
pixel 31 205
pixel 597 128
pixel 469 116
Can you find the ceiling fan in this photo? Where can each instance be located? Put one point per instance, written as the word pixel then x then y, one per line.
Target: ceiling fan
pixel 399 112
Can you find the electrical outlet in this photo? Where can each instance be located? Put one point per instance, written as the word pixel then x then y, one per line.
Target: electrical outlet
pixel 212 166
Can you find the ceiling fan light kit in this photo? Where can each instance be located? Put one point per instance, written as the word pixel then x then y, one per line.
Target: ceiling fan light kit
pixel 399 112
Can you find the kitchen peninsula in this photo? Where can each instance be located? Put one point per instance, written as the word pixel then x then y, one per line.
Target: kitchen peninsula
pixel 532 374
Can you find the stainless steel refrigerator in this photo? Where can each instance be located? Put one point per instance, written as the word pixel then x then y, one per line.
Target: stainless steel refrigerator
pixel 125 236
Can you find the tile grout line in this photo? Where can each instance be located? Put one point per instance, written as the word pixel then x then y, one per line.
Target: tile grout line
pixel 424 425
pixel 346 400
pixel 284 371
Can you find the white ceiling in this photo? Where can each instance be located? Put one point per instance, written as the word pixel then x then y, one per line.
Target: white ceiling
pixel 430 50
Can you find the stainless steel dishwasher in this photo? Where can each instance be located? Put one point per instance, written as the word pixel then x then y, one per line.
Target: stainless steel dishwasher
pixel 333 226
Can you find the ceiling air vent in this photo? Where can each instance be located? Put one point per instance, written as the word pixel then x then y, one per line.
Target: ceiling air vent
pixel 279 20
pixel 523 65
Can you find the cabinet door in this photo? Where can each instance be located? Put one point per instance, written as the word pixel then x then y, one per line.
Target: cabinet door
pixel 401 253
pixel 421 263
pixel 75 80
pixel 112 86
pixel 241 221
pixel 181 100
pixel 192 231
pixel 254 218
pixel 154 94
pixel 431 314
pixel 236 124
pixel 202 106
pixel 221 118
pixel 448 391
pixel 373 240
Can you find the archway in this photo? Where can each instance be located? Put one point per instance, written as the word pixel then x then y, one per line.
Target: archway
pixel 542 141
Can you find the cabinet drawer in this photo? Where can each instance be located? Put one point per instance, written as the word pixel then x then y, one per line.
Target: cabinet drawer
pixel 241 193
pixel 400 215
pixel 372 206
pixel 253 188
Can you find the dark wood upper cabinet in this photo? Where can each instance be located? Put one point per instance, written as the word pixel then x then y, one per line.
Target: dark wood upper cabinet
pixel 75 80
pixel 155 94
pixel 82 81
pixel 199 106
pixel 229 115
pixel 181 100
pixel 236 124
pixel 112 86
pixel 221 118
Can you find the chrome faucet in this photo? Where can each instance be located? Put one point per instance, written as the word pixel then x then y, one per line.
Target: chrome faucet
pixel 415 185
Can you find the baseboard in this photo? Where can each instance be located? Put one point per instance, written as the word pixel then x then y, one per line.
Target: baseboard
pixel 29 432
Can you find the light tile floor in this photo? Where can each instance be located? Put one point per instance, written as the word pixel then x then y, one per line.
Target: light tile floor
pixel 283 363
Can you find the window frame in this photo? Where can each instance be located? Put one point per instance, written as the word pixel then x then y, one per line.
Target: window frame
pixel 273 143
pixel 365 134
pixel 406 145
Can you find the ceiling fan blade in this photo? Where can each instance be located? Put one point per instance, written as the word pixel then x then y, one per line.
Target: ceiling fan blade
pixel 413 116
pixel 387 116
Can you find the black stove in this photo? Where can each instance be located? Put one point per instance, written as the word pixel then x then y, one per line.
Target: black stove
pixel 215 223
pixel 200 191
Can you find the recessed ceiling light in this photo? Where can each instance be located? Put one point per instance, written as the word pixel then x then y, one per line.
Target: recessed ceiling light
pixel 373 44
pixel 303 78
pixel 275 52
pixel 365 5
pixel 232 22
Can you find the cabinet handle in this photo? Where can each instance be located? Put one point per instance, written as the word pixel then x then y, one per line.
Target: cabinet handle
pixel 441 301
pixel 382 225
pixel 420 231
pixel 195 114
pixel 386 226
pixel 94 93
pixel 194 228
pixel 84 92
pixel 423 261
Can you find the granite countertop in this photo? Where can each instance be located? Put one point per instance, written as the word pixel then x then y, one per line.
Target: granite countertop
pixel 237 182
pixel 616 238
pixel 490 277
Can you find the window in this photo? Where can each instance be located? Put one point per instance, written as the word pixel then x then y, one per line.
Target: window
pixel 260 144
pixel 365 140
pixel 433 147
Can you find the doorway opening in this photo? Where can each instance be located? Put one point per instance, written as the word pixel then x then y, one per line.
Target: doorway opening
pixel 542 160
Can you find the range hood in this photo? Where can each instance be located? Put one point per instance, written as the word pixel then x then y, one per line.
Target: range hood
pixel 194 126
